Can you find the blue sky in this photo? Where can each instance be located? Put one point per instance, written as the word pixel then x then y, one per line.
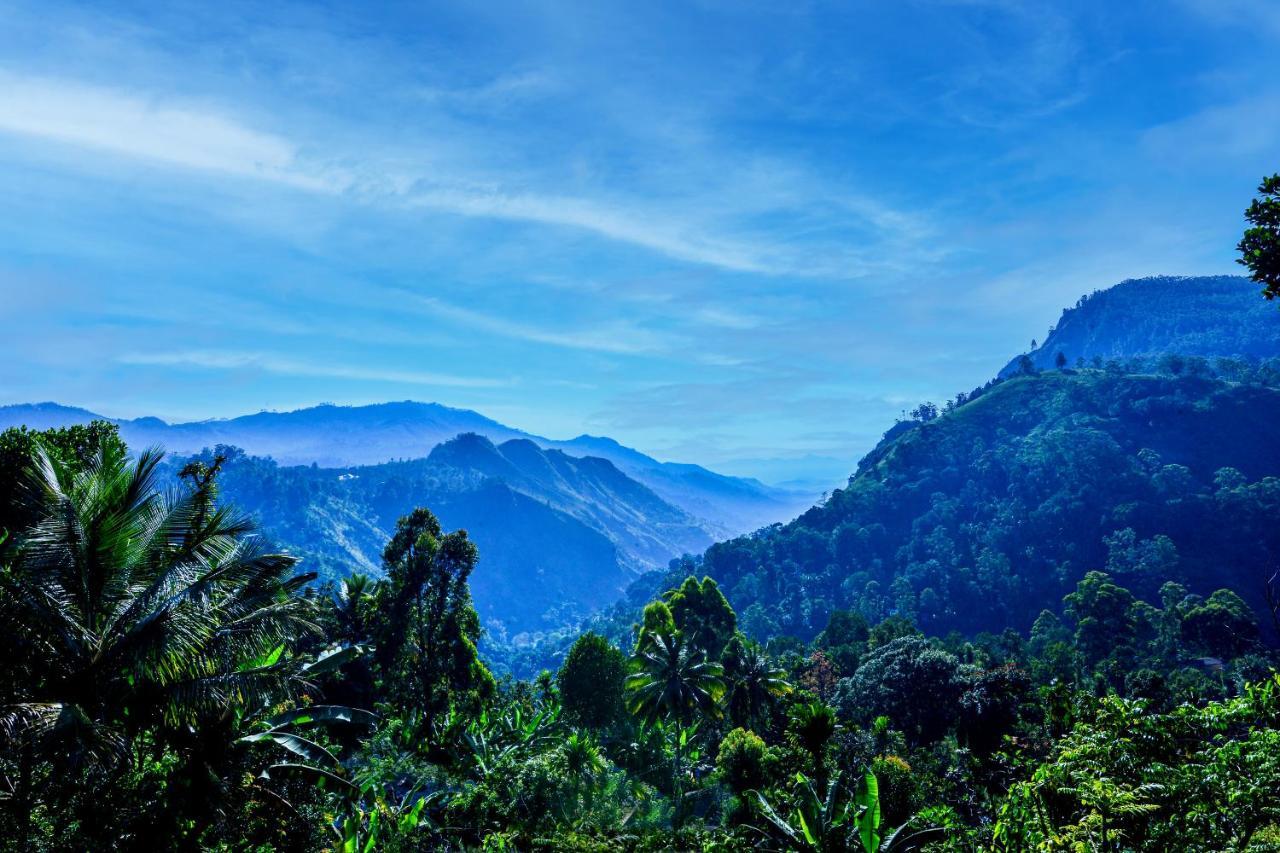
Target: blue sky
pixel 716 231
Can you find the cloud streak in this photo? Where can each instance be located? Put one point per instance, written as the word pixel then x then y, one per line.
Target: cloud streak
pixel 617 339
pixel 146 128
pixel 172 133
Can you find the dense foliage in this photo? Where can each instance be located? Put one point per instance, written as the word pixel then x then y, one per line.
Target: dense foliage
pixel 175 685
pixel 982 516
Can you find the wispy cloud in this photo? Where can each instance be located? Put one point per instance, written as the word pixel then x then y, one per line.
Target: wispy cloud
pixel 619 339
pixel 227 360
pixel 194 136
pixel 148 128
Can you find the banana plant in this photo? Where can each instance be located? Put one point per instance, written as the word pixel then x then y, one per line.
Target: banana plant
pixel 478 745
pixel 369 824
pixel 290 729
pixel 826 824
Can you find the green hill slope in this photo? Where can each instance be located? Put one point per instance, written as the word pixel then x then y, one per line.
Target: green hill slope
pixel 983 517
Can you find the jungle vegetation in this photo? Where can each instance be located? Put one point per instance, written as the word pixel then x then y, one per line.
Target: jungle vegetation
pixel 171 683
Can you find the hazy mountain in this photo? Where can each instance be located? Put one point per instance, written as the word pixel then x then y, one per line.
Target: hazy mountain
pixel 731 505
pixel 814 473
pixel 1214 316
pixel 648 530
pixel 338 436
pixel 559 536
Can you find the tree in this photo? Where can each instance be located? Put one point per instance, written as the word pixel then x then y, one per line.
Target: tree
pixel 844 639
pixel 743 761
pixel 911 682
pixel 1222 626
pixel 703 615
pixel 1260 246
pixel 71 448
pixel 655 619
pixel 427 628
pixel 1105 615
pixel 351 606
pixel 134 617
pixel 813 724
pixel 1060 360
pixel 925 413
pixel 672 678
pixel 754 683
pixel 592 682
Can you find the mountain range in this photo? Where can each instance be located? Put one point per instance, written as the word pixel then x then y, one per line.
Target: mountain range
pixel 1152 453
pixel 562 526
pixel 341 436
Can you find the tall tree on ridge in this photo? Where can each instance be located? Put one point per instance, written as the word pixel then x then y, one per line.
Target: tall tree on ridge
pixel 1260 245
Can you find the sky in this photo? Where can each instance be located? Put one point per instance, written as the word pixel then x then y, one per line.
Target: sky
pixel 742 234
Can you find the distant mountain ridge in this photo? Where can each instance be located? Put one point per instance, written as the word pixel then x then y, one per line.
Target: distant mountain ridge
pixel 341 436
pixel 556 534
pixel 563 527
pixel 648 530
pixel 1208 316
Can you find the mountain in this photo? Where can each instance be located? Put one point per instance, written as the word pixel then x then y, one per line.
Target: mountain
pixel 1211 317
pixel 730 505
pixel 1157 461
pixel 559 536
pixel 807 472
pixel 340 436
pixel 984 517
pixel 649 531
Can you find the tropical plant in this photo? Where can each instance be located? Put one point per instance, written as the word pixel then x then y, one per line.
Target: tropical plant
pixel 813 723
pixel 754 684
pixel 672 678
pixel 351 608
pixel 843 819
pixel 136 614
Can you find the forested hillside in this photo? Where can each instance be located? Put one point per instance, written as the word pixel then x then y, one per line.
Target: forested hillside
pixel 1210 316
pixel 987 514
pixel 176 685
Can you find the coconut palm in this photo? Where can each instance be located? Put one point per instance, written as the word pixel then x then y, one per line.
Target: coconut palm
pixel 671 678
pixel 754 684
pixel 136 610
pixel 351 606
pixel 814 723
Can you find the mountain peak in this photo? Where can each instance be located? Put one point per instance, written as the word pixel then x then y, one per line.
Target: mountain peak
pixel 1207 316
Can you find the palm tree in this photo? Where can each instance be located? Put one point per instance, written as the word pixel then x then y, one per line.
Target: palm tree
pixel 754 684
pixel 585 765
pixel 351 608
pixel 671 678
pixel 814 723
pixel 136 611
